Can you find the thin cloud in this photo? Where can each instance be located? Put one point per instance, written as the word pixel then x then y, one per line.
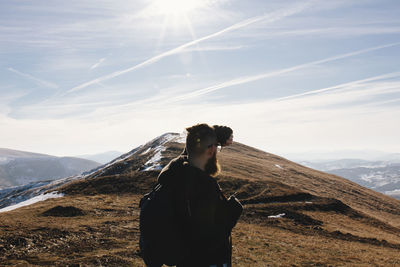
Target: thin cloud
pixel 101 60
pixel 270 17
pixel 248 79
pixel 357 97
pixel 214 48
pixel 34 79
pixel 168 98
pixel 343 85
pixel 360 88
pixel 329 32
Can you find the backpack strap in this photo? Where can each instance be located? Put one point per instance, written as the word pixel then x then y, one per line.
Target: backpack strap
pixel 220 192
pixel 187 185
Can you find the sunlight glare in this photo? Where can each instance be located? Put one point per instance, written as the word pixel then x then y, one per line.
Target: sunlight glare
pixel 177 7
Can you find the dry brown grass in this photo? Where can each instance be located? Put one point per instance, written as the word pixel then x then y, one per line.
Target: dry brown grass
pixel 105 235
pixel 108 234
pixel 257 245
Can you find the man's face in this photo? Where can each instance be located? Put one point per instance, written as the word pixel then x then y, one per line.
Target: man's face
pixel 229 141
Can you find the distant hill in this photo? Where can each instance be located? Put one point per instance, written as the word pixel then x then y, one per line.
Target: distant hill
pixel 326 155
pixel 382 176
pixel 293 215
pixel 21 167
pixel 102 157
pixel 393 157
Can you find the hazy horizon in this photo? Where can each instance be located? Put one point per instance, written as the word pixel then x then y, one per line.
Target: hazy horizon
pixel 287 76
pixel 312 155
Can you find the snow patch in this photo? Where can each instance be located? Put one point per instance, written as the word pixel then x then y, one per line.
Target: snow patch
pixel 145 152
pixel 173 137
pixel 157 167
pixel 278 166
pixel 151 164
pixel 154 162
pixel 33 200
pixel 181 138
pixel 276 216
pixel 15 195
pixel 4 160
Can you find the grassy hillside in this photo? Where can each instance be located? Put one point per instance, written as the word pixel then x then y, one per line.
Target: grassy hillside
pixel 324 220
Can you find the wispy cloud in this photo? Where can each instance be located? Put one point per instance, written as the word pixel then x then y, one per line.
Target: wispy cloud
pixel 101 60
pixel 357 98
pixel 166 98
pixel 270 17
pixel 214 48
pixel 340 31
pixel 247 79
pixel 38 81
pixel 341 86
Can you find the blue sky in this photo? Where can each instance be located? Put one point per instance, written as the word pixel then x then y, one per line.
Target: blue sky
pixel 79 77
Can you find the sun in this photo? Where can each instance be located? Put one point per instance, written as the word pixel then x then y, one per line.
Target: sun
pixel 177 7
pixel 176 16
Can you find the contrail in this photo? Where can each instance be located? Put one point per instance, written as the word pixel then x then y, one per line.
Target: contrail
pixel 370 79
pixel 270 17
pixel 101 60
pixel 36 80
pixel 248 79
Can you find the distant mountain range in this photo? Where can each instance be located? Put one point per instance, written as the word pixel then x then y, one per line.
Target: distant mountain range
pixel 335 155
pixel 21 167
pixel 382 176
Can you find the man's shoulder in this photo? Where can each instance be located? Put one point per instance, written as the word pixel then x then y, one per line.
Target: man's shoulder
pixel 176 163
pixel 172 168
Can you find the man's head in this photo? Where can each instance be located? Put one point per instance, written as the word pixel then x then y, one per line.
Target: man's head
pixel 201 145
pixel 224 135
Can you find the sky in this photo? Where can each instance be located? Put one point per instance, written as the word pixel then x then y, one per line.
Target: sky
pixel 84 77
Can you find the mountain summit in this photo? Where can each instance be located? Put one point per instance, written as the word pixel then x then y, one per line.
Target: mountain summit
pixel 293 215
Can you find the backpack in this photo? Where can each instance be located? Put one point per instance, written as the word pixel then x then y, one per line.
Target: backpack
pixel 161 239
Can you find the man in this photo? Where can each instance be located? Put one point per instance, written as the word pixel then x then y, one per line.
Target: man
pixel 206 217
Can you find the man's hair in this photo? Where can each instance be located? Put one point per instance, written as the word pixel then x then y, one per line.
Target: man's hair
pixel 199 137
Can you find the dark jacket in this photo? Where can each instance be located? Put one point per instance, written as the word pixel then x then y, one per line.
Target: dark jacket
pixel 203 212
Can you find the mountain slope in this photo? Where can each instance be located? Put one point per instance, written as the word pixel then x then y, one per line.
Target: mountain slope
pixel 20 167
pixel 293 215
